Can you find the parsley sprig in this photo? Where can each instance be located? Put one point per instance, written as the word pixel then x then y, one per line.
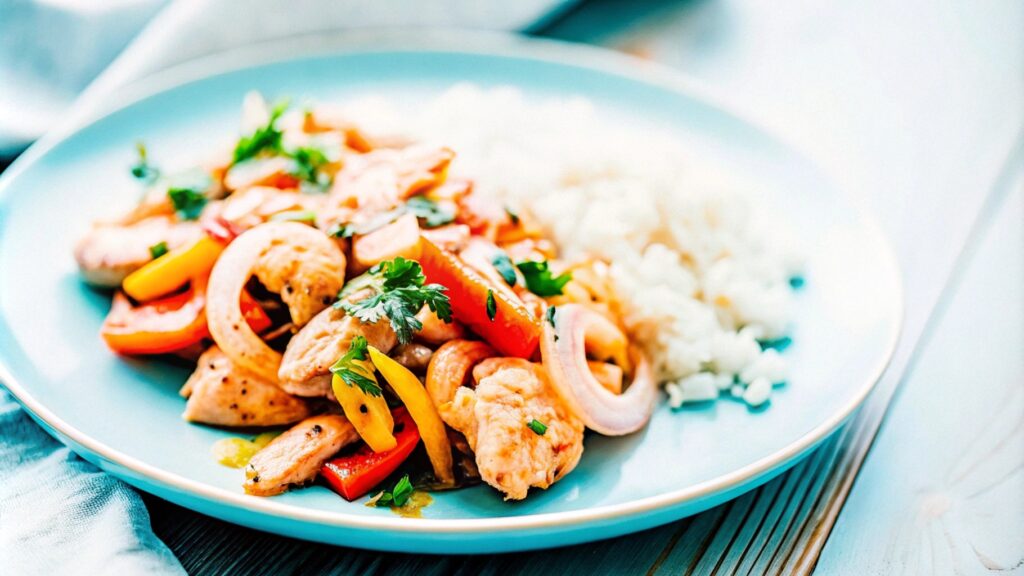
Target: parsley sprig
pixel 400 293
pixel 187 193
pixel 539 279
pixel 353 374
pixel 396 497
pixel 309 163
pixel 266 138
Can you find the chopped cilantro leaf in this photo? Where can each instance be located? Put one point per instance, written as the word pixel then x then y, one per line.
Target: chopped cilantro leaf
pixel 354 374
pixel 188 202
pixel 431 212
pixel 265 138
pixel 142 169
pixel 157 250
pixel 539 279
pixel 504 266
pixel 308 167
pixel 341 231
pixel 295 216
pixel 538 427
pixel 551 316
pixel 396 497
pixel 492 306
pixel 512 215
pixel 401 293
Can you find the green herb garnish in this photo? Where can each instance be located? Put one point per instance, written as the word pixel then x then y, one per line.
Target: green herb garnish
pixel 157 250
pixel 401 293
pixel 308 167
pixel 539 279
pixel 512 215
pixel 188 201
pixel 265 138
pixel 431 212
pixel 295 216
pixel 538 427
pixel 504 266
pixel 341 231
pixel 492 306
pixel 353 374
pixel 142 169
pixel 396 497
pixel 551 316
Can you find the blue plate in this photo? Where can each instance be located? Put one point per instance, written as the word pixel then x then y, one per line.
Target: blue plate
pixel 124 416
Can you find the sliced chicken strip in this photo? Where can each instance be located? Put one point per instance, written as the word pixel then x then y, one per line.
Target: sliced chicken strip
pixel 296 456
pixel 305 366
pixel 110 252
pixel 221 394
pixel 382 178
pixel 495 419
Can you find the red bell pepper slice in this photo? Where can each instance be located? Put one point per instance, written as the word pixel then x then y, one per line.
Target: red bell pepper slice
pixel 168 324
pixel 354 475
pixel 514 331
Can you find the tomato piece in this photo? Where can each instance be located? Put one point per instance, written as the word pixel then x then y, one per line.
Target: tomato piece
pixel 354 475
pixel 170 323
pixel 514 331
pixel 399 238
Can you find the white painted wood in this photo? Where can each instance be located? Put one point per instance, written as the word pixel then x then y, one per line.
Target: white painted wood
pixel 942 491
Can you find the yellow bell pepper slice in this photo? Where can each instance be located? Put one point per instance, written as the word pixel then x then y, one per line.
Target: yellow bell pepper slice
pixel 422 410
pixel 368 414
pixel 172 270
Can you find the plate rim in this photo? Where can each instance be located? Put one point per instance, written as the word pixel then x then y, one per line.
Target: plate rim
pixel 453 42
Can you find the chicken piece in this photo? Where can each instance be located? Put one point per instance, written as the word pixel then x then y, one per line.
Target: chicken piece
pixel 450 366
pixel 307 275
pixel 220 394
pixel 302 265
pixel 495 420
pixel 381 179
pixel 436 331
pixel 296 456
pixel 258 204
pixel 274 172
pixel 415 357
pixel 305 366
pixel 399 238
pixel 110 252
pixel 452 237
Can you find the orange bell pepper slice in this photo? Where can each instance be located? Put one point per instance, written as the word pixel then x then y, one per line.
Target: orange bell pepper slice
pixel 513 331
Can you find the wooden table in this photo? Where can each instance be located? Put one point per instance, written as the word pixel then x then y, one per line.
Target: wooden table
pixel 917 108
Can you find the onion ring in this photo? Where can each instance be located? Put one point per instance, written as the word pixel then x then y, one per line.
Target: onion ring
pixel 285 254
pixel 564 353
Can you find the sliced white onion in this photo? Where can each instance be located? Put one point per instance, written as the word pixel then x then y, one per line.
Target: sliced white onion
pixel 234 268
pixel 564 352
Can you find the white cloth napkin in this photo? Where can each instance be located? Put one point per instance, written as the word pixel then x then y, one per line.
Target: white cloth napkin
pixel 50 50
pixel 59 514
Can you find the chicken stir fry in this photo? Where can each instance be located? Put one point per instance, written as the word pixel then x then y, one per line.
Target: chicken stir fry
pixel 340 283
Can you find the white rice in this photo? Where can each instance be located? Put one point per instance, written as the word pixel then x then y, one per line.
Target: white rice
pixel 702 269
